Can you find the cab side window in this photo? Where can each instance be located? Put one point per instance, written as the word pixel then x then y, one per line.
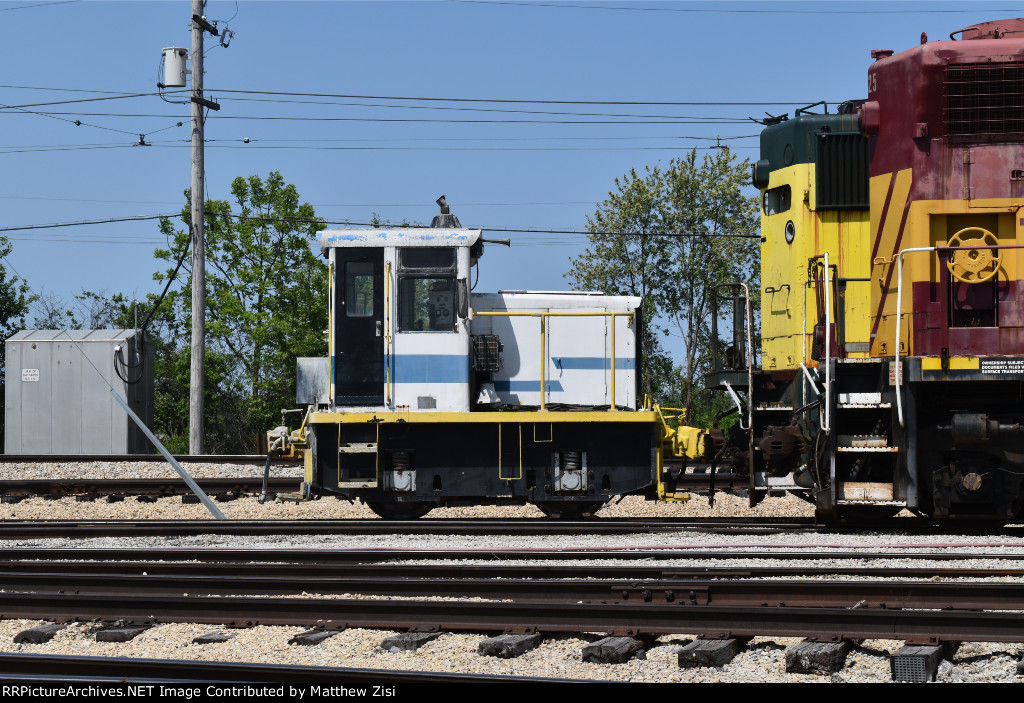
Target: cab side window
pixel 426 290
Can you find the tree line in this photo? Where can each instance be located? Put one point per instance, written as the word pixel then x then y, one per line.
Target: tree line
pixel 267 292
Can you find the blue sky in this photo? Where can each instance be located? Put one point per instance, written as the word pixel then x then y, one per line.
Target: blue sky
pixel 501 164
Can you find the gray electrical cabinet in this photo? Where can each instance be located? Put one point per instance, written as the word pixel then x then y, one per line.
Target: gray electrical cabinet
pixel 58 392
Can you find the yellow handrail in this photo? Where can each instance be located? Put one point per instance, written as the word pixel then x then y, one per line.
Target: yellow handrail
pixel 387 331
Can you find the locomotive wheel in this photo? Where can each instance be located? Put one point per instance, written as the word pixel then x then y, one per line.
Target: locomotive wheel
pixel 973 265
pixel 399 511
pixel 567 510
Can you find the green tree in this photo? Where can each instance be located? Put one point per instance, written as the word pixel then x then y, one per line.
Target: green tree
pixel 719 245
pixel 15 296
pixel 628 255
pixel 266 305
pixel 15 299
pixel 670 235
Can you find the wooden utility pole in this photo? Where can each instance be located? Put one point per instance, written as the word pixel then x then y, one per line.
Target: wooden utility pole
pixel 195 420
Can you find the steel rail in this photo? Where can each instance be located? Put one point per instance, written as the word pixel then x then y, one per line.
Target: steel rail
pixel 155 458
pixel 516 526
pixel 317 555
pixel 41 529
pixel 142 486
pixel 134 670
pixel 488 616
pixel 730 592
pixel 689 481
pixel 306 572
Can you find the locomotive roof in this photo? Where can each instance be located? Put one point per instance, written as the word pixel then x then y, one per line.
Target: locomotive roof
pixel 400 237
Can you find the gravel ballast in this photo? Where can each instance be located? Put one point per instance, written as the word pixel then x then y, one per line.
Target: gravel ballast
pixel 762 660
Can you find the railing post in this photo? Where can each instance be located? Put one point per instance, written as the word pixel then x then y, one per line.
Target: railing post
pixel 543 356
pixel 613 408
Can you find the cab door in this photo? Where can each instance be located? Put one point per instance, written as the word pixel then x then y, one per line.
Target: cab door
pixel 357 368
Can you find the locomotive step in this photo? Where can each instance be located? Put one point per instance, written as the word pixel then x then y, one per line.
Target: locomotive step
pixel 871 450
pixel 858 492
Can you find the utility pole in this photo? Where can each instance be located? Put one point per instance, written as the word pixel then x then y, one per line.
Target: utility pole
pixel 195 420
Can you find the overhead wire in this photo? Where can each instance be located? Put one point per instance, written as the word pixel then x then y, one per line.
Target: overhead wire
pixel 746 103
pixel 118 96
pixel 669 121
pixel 530 101
pixel 38 4
pixel 350 223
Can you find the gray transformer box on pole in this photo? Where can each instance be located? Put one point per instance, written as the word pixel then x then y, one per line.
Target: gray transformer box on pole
pixel 57 392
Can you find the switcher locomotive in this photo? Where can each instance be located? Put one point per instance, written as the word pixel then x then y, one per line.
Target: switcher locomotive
pixel 890 373
pixel 436 395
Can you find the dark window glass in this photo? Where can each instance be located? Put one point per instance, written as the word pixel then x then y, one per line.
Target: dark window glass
pixel 428 258
pixel 359 288
pixel 426 305
pixel 777 200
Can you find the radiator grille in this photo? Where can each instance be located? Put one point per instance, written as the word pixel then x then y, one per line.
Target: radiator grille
pixel 486 352
pixel 984 102
pixel 842 170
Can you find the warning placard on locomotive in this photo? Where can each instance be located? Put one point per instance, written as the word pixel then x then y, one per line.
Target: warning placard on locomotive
pixel 1013 366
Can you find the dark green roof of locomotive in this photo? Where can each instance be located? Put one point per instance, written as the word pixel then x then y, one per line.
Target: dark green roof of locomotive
pixel 796 141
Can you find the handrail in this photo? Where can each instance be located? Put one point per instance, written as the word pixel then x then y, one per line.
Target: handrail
pixel 739 405
pixel 807 373
pixel 750 358
pixel 899 306
pixel 387 332
pixel 828 350
pixel 543 339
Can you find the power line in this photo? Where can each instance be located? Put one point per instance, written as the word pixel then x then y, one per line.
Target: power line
pixel 677 147
pixel 320 205
pixel 257 141
pixel 68 90
pixel 113 95
pixel 52 116
pixel 669 121
pixel 489 139
pixel 681 147
pixel 50 225
pixel 512 100
pixel 119 96
pixel 531 230
pixel 463 109
pixel 38 4
pixel 321 221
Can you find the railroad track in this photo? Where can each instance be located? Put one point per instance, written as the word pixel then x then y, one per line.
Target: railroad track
pixel 634 601
pixel 624 617
pixel 294 555
pixel 230 575
pixel 121 458
pixel 12 529
pixel 41 667
pixel 94 488
pixel 521 584
pixel 477 526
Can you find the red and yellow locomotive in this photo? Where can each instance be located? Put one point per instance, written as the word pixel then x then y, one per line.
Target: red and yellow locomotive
pixel 892 371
